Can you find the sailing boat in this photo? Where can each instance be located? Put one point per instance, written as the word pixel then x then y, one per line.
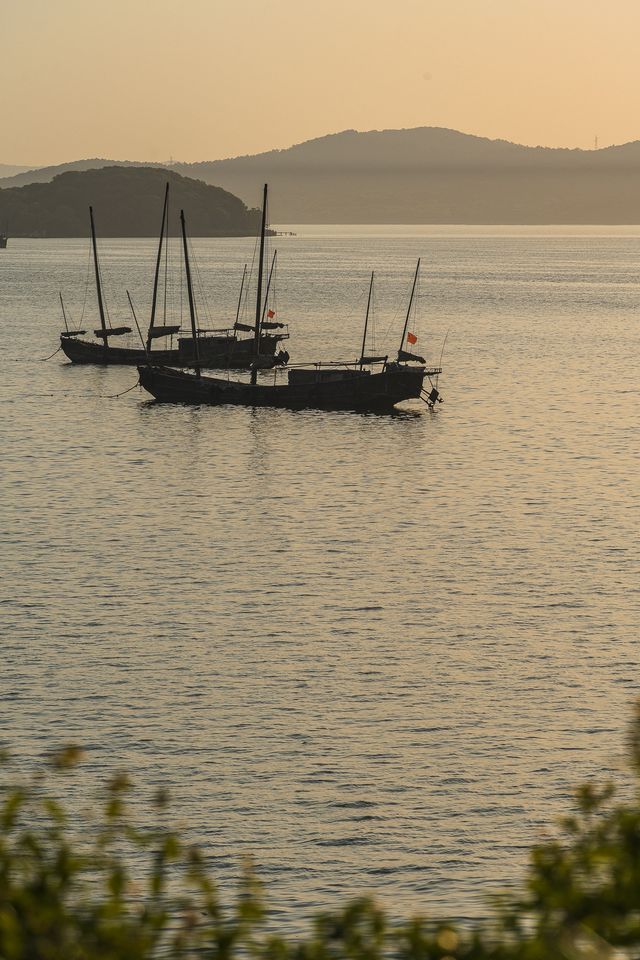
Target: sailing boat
pixel 218 348
pixel 333 386
pixel 225 348
pixel 84 351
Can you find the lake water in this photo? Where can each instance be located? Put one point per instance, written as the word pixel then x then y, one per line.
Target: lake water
pixel 374 653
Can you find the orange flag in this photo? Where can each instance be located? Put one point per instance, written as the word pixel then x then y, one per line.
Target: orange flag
pixel 411 337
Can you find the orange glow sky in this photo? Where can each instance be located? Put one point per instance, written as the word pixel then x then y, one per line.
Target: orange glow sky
pixel 204 79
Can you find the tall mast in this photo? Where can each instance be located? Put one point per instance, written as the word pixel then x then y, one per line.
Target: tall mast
pixel 97 268
pixel 413 290
pixel 256 331
pixel 244 274
pixel 192 309
pixel 157 273
pixel 366 321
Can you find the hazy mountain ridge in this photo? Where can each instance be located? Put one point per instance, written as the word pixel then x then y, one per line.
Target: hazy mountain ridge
pixel 12 169
pixel 46 174
pixel 127 202
pixel 434 145
pixel 435 175
pixel 430 175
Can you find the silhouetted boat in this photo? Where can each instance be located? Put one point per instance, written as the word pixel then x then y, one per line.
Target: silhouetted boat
pixel 218 348
pixel 333 386
pixel 4 239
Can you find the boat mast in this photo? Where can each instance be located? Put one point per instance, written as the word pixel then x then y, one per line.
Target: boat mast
pixel 192 309
pixel 366 322
pixel 406 322
pixel 244 274
pixel 98 283
pixel 157 273
pixel 256 331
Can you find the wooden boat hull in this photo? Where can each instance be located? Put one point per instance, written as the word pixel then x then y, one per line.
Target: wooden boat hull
pixel 364 391
pixel 84 351
pixel 214 352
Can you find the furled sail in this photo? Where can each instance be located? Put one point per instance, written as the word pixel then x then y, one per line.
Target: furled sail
pixel 163 331
pixel 405 355
pixel 264 361
pixel 111 332
pixel 243 326
pixel 372 360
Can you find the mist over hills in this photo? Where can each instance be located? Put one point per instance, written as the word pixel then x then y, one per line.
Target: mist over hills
pixel 434 175
pixel 23 176
pixel 127 202
pixel 426 175
pixel 11 169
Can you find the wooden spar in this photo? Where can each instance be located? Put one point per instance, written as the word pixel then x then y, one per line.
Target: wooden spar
pixel 244 274
pixel 266 293
pixel 192 309
pixel 413 290
pixel 256 329
pixel 157 273
pixel 64 313
pixel 103 322
pixel 366 321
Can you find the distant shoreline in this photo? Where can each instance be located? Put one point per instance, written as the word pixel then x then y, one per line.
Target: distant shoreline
pixel 289 233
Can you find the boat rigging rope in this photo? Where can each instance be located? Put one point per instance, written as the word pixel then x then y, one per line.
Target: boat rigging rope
pixel 245 311
pixel 114 396
pixel 199 285
pixel 106 282
pixel 181 271
pixel 44 359
pixel 372 324
pixel 392 324
pixel 166 266
pixel 86 283
pixel 274 290
pixel 399 311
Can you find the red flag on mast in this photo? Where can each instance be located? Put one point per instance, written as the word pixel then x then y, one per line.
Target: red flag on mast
pixel 271 314
pixel 411 337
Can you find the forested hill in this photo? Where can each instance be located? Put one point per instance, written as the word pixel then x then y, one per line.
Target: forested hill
pixel 20 176
pixel 420 175
pixel 127 202
pixel 435 175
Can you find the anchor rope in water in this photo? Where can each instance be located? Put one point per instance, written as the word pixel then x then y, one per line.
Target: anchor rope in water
pixel 114 396
pixel 44 359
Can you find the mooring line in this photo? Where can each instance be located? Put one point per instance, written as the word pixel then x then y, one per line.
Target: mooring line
pixel 44 359
pixel 114 396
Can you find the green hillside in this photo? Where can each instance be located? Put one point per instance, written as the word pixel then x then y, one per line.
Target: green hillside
pixel 127 202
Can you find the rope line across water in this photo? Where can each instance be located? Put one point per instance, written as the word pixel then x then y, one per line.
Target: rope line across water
pixel 44 359
pixel 114 396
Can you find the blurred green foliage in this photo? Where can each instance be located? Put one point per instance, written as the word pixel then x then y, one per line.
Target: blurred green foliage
pixel 113 891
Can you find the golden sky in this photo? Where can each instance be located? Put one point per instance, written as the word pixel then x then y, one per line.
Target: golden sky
pixel 204 79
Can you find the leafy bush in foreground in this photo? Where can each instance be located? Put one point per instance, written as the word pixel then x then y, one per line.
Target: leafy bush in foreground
pixel 118 892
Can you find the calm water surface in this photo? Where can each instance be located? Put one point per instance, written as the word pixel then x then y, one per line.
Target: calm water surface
pixel 371 652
